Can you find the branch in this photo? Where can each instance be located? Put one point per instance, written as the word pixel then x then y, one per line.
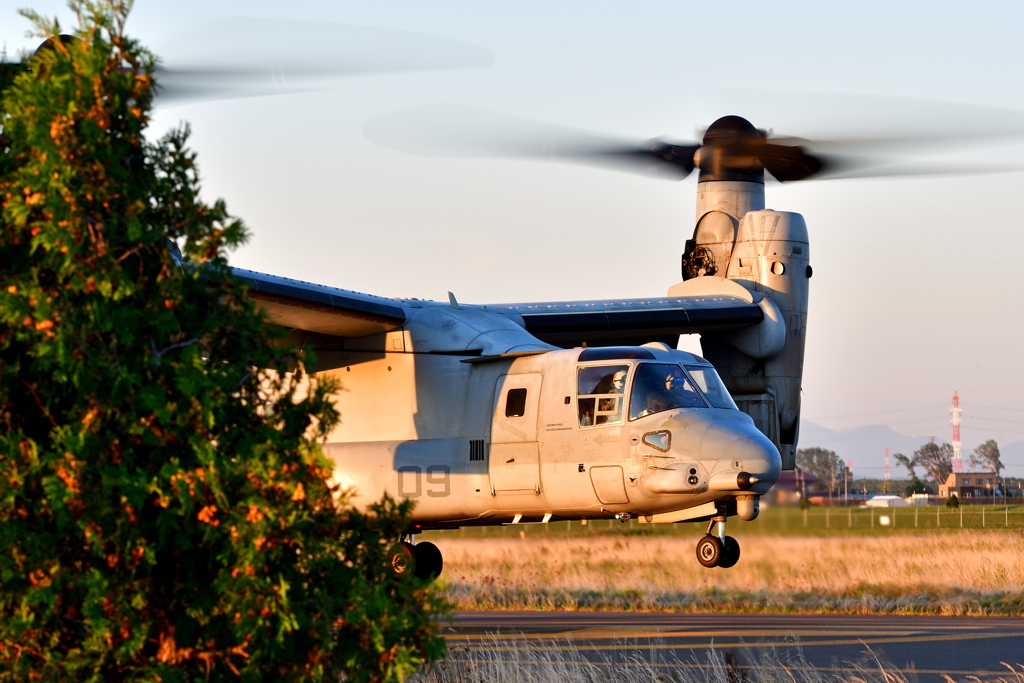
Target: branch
pixel 39 404
pixel 159 354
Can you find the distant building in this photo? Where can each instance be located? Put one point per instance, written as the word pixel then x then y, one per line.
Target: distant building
pixel 971 485
pixel 885 501
pixel 921 499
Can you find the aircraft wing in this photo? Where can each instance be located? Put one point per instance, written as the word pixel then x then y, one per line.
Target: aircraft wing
pixel 719 306
pixel 703 305
pixel 318 308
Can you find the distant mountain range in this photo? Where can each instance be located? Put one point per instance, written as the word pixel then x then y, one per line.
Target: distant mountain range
pixel 865 448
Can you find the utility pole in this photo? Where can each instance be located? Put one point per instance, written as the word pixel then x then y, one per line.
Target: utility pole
pixel 886 473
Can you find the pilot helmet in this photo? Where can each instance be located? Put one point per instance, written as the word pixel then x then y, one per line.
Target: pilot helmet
pixel 676 381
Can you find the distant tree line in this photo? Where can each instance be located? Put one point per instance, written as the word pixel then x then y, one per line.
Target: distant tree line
pixel 935 459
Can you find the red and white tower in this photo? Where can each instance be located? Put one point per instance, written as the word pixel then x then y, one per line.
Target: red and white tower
pixel 955 411
pixel 886 473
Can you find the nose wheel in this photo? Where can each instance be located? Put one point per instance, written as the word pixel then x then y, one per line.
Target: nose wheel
pixel 718 550
pixel 423 559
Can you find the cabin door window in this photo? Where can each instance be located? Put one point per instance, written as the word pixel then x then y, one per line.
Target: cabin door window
pixel 514 463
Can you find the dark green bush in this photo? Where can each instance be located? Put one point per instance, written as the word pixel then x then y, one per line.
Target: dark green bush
pixel 165 511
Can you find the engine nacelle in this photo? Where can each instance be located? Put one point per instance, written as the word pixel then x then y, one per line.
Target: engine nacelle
pixel 767 253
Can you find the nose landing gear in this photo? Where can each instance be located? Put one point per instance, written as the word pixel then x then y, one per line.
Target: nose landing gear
pixel 718 551
pixel 423 559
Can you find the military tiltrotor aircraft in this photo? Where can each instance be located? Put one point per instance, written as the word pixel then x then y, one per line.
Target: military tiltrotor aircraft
pixel 572 410
pixel 521 413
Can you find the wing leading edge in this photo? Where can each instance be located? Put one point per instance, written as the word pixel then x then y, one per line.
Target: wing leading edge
pixel 318 308
pixel 632 322
pixel 707 307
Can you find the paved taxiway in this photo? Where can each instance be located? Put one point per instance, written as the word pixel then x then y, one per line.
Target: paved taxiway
pixel 932 646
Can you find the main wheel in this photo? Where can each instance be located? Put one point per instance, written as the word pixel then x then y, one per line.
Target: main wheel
pixel 730 552
pixel 429 562
pixel 709 551
pixel 402 557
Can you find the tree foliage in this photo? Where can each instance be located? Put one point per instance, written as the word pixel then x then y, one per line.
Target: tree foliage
pixel 909 463
pixel 936 460
pixel 824 464
pixel 165 512
pixel 987 455
pixel 916 486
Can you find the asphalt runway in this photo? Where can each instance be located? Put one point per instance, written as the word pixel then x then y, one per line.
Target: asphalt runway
pixel 927 648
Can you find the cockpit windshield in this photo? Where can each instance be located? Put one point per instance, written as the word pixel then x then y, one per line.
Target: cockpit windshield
pixel 661 386
pixel 711 384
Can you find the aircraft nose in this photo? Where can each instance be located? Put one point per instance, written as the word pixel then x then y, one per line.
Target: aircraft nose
pixel 747 451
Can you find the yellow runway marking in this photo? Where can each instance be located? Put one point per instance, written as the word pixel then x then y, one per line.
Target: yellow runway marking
pixel 607 633
pixel 873 640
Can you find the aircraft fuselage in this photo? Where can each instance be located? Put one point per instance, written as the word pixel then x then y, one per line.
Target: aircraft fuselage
pixel 538 438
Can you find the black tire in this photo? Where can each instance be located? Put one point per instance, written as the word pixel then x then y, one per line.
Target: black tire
pixel 730 552
pixel 402 558
pixel 709 551
pixel 429 562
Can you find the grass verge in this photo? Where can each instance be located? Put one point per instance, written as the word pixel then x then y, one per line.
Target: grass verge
pixel 975 572
pixel 512 660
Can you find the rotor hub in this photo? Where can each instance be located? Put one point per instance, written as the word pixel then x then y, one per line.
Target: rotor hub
pixel 729 152
pixel 731 128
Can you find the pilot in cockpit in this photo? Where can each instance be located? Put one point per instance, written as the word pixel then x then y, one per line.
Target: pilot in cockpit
pixel 614 383
pixel 682 392
pixel 662 387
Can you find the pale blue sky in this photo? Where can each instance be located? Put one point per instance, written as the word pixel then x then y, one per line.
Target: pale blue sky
pixel 915 289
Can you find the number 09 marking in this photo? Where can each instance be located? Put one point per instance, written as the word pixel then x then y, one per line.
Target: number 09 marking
pixel 438 481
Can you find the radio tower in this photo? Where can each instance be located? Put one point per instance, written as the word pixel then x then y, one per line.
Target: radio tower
pixel 955 421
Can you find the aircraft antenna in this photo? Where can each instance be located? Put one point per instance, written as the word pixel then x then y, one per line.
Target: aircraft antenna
pixel 955 421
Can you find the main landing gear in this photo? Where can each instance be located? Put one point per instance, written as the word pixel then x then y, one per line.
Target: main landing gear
pixel 423 559
pixel 718 551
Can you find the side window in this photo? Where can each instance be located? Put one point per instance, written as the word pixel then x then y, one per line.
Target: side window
pixel 515 403
pixel 600 392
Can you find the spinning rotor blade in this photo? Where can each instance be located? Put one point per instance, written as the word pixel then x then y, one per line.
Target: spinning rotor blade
pixel 254 57
pixel 732 148
pixel 453 131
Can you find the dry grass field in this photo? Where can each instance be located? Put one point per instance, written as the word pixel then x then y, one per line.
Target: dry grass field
pixel 949 572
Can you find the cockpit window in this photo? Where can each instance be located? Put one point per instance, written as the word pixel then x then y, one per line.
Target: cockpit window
pixel 661 386
pixel 659 440
pixel 601 391
pixel 711 384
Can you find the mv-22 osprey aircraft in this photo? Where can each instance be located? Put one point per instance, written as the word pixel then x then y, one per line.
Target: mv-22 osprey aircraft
pixel 522 413
pixel 576 410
